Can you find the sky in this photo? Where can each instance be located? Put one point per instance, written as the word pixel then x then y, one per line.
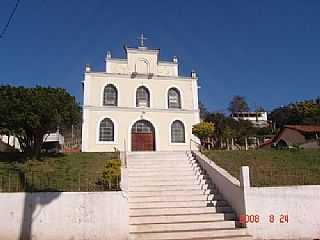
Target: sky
pixel 266 51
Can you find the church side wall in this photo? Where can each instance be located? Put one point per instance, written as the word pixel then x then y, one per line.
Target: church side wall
pixel 123 121
pixel 126 113
pixel 127 91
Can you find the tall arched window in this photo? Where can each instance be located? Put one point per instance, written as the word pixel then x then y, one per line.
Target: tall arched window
pixel 106 130
pixel 177 132
pixel 142 97
pixel 174 100
pixel 110 95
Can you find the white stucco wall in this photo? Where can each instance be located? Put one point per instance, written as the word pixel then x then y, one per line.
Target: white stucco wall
pixel 123 122
pixel 117 66
pixel 63 216
pixel 126 86
pixel 125 114
pixel 300 203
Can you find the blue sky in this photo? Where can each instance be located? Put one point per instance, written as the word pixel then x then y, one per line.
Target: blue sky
pixel 267 51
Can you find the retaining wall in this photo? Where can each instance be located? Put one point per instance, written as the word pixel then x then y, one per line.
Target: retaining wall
pixel 284 212
pixel 63 216
pixel 291 212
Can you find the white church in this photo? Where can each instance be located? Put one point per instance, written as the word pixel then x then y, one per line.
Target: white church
pixel 139 103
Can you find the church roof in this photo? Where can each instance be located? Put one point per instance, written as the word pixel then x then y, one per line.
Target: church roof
pixel 141 49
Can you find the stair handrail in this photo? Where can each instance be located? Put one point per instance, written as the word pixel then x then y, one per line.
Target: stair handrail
pixel 199 146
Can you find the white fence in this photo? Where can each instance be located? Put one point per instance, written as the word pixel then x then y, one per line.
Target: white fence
pixel 64 216
pixel 269 212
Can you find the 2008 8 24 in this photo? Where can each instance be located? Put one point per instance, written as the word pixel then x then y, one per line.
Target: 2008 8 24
pixel 272 218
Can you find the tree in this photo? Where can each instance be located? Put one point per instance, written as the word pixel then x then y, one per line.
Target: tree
pixel 203 111
pixel 30 113
pixel 219 120
pixel 245 129
pixel 203 130
pixel 238 104
pixel 227 128
pixel 304 112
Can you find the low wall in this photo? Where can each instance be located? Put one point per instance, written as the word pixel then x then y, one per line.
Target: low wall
pixel 228 186
pixel 284 212
pixel 291 212
pixel 63 216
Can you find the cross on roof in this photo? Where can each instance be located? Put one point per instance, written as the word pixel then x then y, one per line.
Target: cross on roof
pixel 142 38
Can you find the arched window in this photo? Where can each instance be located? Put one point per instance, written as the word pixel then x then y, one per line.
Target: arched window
pixel 174 100
pixel 106 130
pixel 110 96
pixel 177 132
pixel 142 97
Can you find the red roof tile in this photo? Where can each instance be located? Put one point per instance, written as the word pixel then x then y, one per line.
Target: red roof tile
pixel 304 128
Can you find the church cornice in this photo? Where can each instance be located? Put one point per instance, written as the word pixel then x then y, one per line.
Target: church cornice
pixel 136 109
pixel 122 60
pixel 158 77
pixel 142 50
pixel 166 63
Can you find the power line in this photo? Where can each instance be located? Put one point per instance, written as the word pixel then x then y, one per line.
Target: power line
pixel 5 28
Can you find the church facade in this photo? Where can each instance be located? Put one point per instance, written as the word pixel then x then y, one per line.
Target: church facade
pixel 139 103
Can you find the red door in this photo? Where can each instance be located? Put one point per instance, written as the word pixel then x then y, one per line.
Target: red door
pixel 142 142
pixel 142 136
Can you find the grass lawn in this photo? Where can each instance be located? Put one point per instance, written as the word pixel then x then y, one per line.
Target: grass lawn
pixel 272 167
pixel 55 172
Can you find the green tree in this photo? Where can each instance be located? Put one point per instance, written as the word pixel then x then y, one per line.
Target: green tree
pixel 111 172
pixel 203 111
pixel 305 112
pixel 238 104
pixel 203 130
pixel 30 113
pixel 222 126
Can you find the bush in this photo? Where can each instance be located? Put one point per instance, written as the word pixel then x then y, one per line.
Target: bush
pixel 203 130
pixel 111 173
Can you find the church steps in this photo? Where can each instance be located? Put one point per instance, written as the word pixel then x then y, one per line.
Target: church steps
pixel 168 173
pixel 161 182
pixel 194 197
pixel 182 218
pixel 156 182
pixel 155 155
pixel 158 158
pixel 169 169
pixel 157 165
pixel 166 187
pixel 162 173
pixel 168 193
pixel 180 226
pixel 163 178
pixel 170 199
pixel 177 211
pixel 222 234
pixel 173 204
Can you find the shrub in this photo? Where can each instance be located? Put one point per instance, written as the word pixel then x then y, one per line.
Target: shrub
pixel 203 130
pixel 111 173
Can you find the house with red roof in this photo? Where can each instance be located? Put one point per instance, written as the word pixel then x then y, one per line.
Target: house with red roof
pixel 304 136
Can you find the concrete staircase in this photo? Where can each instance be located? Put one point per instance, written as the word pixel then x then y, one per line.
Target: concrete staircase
pixel 170 199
